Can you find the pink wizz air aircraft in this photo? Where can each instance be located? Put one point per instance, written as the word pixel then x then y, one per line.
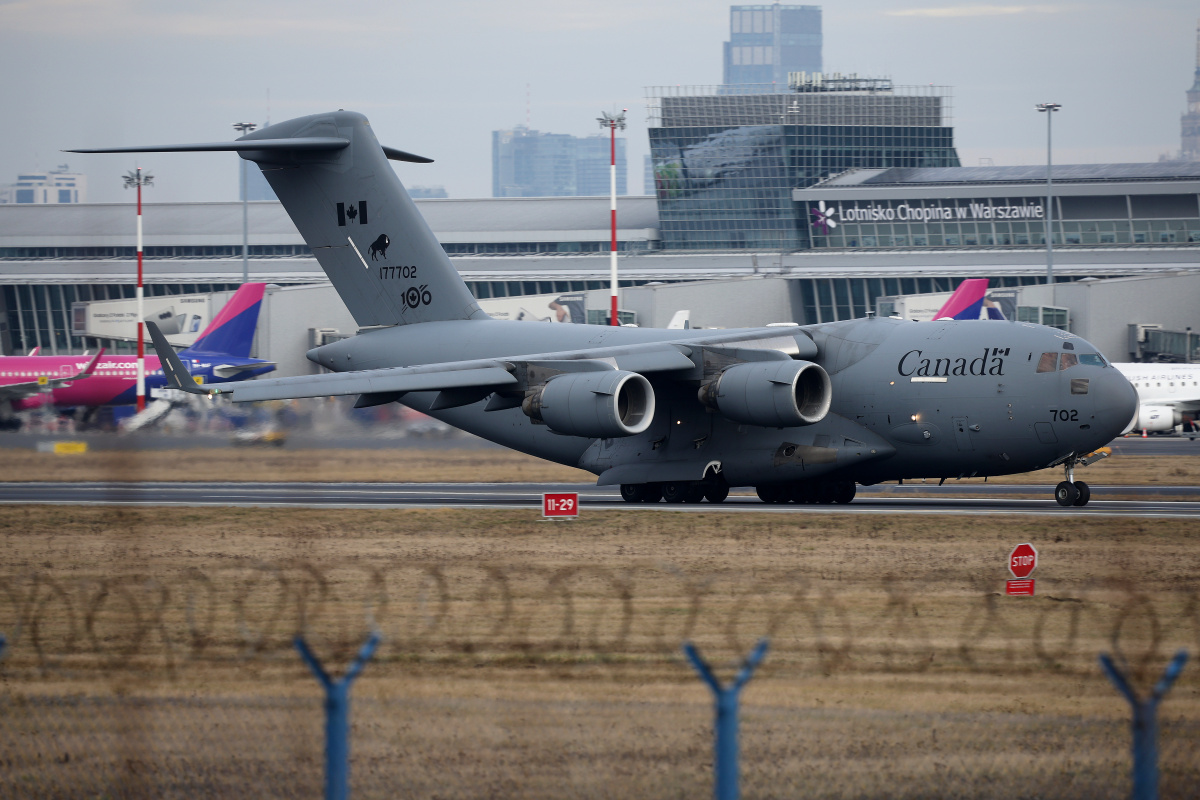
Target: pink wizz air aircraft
pixel 221 354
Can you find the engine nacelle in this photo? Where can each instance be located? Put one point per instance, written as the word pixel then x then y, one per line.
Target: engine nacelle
pixel 598 405
pixel 1157 418
pixel 772 394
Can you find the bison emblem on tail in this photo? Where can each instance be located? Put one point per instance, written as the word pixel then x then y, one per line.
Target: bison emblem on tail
pixel 379 246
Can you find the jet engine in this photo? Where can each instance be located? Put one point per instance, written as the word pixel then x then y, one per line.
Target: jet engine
pixel 772 394
pixel 593 404
pixel 1157 418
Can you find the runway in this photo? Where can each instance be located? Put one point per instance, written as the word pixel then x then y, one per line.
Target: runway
pixel 977 499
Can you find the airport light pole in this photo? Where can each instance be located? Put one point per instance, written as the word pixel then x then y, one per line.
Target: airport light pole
pixel 1049 109
pixel 244 128
pixel 139 180
pixel 612 122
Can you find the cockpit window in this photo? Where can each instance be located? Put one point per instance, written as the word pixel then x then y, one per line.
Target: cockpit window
pixel 1068 360
pixel 1048 362
pixel 1092 360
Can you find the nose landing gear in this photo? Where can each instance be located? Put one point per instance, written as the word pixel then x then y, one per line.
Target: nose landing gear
pixel 1072 492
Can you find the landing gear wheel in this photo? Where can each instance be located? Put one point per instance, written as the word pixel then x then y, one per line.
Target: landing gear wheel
pixel 1065 494
pixel 677 491
pixel 694 493
pixel 652 492
pixel 633 492
pixel 805 493
pixel 716 492
pixel 1085 493
pixel 772 493
pixel 843 492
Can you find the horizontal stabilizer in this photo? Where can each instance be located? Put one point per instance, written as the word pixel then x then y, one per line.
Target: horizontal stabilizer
pixel 308 143
pixel 231 370
pixel 299 144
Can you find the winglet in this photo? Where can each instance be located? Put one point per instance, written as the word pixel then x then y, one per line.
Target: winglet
pixel 172 366
pixel 91 367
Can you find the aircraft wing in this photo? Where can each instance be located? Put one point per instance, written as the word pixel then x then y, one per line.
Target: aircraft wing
pixel 459 379
pixel 15 391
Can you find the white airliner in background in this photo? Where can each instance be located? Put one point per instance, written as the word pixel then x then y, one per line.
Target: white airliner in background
pixel 1168 395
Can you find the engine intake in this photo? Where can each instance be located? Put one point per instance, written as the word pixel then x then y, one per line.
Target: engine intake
pixel 598 405
pixel 772 394
pixel 1157 418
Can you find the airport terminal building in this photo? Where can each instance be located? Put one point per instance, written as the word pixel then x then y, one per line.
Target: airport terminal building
pixel 817 201
pixel 886 232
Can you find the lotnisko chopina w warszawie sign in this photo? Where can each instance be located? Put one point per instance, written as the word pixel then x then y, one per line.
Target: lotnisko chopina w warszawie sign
pixel 967 211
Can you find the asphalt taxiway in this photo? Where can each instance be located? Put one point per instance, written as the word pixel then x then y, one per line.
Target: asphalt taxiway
pixel 1135 501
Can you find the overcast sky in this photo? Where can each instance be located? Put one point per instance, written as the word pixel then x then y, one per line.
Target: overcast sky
pixel 437 78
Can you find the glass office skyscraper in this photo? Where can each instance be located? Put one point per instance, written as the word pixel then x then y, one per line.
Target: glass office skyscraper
pixel 768 42
pixel 725 164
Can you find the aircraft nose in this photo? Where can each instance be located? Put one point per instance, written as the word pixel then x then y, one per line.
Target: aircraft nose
pixel 1116 403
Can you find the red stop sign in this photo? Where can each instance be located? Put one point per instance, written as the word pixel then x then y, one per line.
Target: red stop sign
pixel 1022 561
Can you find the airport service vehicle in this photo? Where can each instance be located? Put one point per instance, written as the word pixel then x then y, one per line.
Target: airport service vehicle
pixel 220 354
pixel 801 413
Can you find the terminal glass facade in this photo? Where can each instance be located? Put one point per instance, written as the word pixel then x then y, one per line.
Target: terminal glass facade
pixel 833 299
pixel 725 165
pixel 1007 221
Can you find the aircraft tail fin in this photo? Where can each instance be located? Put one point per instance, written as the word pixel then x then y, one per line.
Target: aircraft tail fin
pixel 966 302
pixel 231 332
pixel 332 176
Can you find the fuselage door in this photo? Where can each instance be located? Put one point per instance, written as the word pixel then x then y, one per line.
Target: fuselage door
pixel 1045 433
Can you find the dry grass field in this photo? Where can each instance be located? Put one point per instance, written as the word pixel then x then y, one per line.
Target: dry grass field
pixel 150 652
pixel 473 465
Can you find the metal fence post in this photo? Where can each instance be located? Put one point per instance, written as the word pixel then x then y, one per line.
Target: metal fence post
pixel 337 715
pixel 725 762
pixel 1145 722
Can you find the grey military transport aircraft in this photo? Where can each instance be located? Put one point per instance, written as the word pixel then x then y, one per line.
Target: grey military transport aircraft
pixel 801 413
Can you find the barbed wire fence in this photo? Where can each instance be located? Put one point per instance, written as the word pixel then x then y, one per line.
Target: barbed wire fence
pixel 503 680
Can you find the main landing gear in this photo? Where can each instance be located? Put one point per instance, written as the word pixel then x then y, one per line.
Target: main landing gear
pixel 1072 492
pixel 714 490
pixel 809 492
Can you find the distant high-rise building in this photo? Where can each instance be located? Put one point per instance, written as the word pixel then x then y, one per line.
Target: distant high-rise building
pixel 56 186
pixel 1190 150
pixel 593 166
pixel 528 163
pixel 767 42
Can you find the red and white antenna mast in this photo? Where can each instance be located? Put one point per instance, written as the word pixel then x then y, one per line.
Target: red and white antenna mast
pixel 139 180
pixel 612 122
